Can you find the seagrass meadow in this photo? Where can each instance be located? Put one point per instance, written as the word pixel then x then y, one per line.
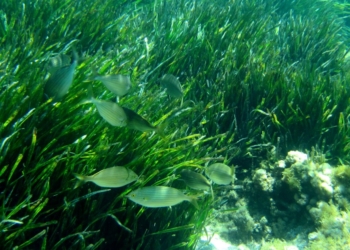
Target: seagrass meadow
pixel 260 78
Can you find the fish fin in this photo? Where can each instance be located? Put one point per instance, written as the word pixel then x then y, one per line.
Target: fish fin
pixel 160 129
pixel 188 103
pixel 93 75
pixel 81 180
pixel 84 101
pixel 90 96
pixel 233 168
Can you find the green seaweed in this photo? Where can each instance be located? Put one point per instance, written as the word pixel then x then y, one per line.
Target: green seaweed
pixel 254 74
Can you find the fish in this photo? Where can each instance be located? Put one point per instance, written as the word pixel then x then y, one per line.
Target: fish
pixel 172 86
pixel 111 112
pixel 117 84
pixel 60 80
pixel 110 177
pixel 219 173
pixel 58 62
pixel 159 196
pixel 137 122
pixel 195 180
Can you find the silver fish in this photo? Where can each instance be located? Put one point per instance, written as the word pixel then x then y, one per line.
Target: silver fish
pixel 172 86
pixel 110 177
pixel 58 62
pixel 60 80
pixel 117 84
pixel 159 196
pixel 195 180
pixel 111 112
pixel 137 122
pixel 219 173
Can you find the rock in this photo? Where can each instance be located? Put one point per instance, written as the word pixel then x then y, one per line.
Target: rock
pixel 296 156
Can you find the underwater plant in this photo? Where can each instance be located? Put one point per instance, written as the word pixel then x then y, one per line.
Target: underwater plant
pixel 255 75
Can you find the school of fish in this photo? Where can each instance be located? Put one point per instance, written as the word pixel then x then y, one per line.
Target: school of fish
pixel 62 70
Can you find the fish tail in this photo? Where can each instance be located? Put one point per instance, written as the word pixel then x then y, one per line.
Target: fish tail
pixel 193 201
pixel 80 181
pixel 93 76
pixel 160 130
